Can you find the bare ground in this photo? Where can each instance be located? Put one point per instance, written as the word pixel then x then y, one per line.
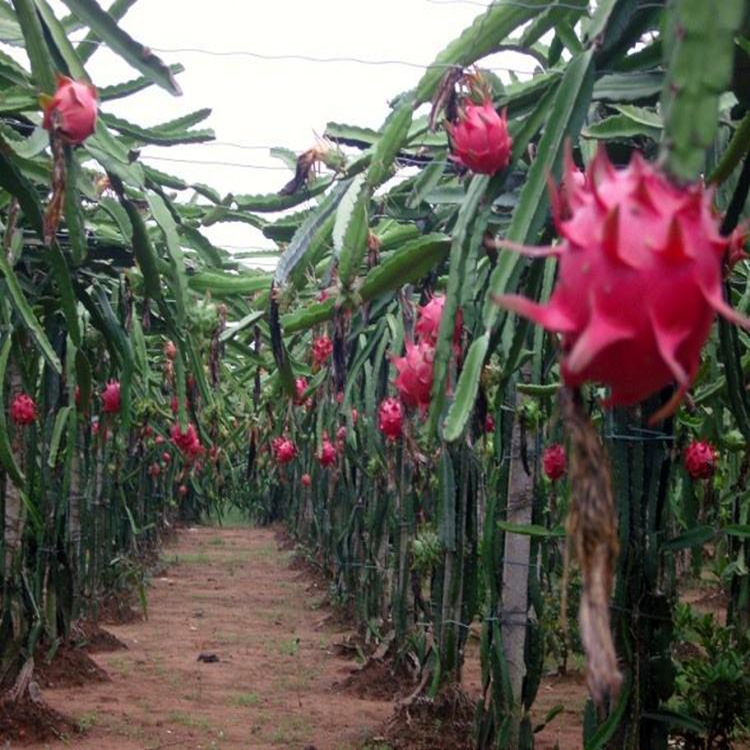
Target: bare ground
pixel 228 593
pixel 269 675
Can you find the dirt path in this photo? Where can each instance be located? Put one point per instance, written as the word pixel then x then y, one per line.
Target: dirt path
pixel 232 593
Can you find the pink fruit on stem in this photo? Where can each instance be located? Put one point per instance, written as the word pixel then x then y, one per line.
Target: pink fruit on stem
pixel 480 139
pixel 429 318
pixel 170 350
pixel 300 386
pixel 391 418
pixel 639 283
pixel 355 417
pixel 111 397
pixel 327 454
pixel 23 410
pixel 415 374
pixel 489 423
pixel 306 480
pixel 284 450
pixel 701 459
pixel 72 110
pixel 321 350
pixel 187 442
pixel 554 462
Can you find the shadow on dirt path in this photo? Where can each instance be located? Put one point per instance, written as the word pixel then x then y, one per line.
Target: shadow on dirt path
pixel 228 593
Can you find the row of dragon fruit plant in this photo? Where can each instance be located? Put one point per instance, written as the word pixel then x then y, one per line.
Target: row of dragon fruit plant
pixel 112 420
pixel 422 453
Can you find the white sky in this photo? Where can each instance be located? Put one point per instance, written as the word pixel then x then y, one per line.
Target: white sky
pixel 281 102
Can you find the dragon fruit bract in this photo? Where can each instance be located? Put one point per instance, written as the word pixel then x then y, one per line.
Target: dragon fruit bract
pixel 639 280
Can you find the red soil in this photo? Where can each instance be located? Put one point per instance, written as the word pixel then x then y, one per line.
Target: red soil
pixel 278 680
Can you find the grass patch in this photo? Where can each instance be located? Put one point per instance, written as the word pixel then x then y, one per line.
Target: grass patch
pixel 290 730
pixel 290 647
pixel 87 720
pixel 189 720
pixel 121 664
pixel 190 558
pixel 244 700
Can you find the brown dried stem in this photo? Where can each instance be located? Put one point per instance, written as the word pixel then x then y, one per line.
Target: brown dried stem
pixel 592 530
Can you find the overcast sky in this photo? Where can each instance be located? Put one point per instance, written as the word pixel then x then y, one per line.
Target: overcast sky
pixel 261 103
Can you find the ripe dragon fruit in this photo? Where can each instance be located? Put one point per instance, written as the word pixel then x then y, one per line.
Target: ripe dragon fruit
pixel 154 470
pixel 489 423
pixel 554 462
pixel 187 442
pixel 306 480
pixel 284 450
pixel 23 410
pixel 72 110
pixel 111 398
pixel 479 139
pixel 428 322
pixel 415 374
pixel 639 281
pixel 701 459
pixel 391 418
pixel 322 349
pixel 327 453
pixel 300 386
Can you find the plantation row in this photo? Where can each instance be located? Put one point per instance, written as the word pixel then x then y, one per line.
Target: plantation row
pixel 507 388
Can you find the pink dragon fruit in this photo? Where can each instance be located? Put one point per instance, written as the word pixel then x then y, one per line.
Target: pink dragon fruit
pixel 321 350
pixel 428 322
pixel 327 453
pixel 23 410
pixel 300 386
pixel 72 110
pixel 554 462
pixel 391 418
pixel 701 459
pixel 285 451
pixel 111 399
pixel 415 374
pixel 480 140
pixel 639 281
